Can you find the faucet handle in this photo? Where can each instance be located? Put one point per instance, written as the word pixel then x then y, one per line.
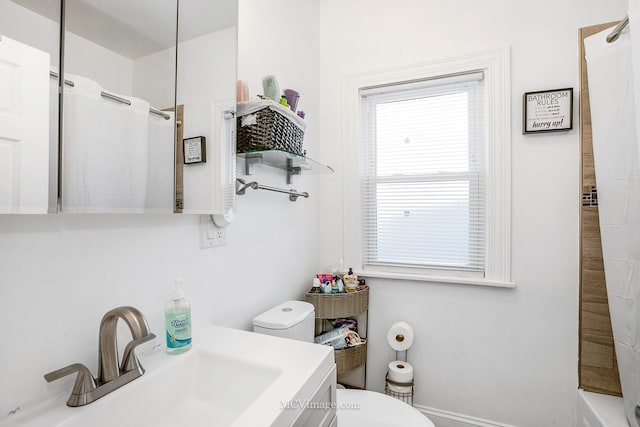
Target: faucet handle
pixel 85 383
pixel 129 359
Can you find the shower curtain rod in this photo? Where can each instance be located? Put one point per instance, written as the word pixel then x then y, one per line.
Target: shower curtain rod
pixel 617 30
pixel 113 97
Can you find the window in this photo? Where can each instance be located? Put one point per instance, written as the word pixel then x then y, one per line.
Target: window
pixel 433 177
pixel 423 174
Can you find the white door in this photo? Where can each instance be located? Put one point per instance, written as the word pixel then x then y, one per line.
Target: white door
pixel 24 128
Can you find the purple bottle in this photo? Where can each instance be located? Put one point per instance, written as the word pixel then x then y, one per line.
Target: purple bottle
pixel 292 98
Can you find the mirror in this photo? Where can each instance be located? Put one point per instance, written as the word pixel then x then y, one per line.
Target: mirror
pixel 118 118
pixel 206 88
pixel 122 147
pixel 29 51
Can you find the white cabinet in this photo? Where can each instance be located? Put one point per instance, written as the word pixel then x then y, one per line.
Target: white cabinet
pixel 320 409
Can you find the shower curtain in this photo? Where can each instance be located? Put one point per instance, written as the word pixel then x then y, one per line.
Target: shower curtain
pixel 616 155
pixel 116 158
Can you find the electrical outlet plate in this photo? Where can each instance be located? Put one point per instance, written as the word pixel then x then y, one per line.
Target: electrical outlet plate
pixel 210 234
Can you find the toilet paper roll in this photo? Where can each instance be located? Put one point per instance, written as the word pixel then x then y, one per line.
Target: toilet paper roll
pixel 399 388
pixel 400 372
pixel 400 336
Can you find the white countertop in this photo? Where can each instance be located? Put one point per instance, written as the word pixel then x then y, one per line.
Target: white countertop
pixel 278 370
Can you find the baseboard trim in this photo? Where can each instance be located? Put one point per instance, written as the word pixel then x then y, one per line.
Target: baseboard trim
pixel 457 420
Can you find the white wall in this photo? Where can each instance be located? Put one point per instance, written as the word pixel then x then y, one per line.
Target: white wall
pixel 61 273
pixel 504 355
pixel 114 72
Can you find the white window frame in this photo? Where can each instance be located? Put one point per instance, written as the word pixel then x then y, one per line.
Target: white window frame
pixel 495 66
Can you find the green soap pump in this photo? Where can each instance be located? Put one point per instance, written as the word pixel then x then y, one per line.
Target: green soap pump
pixel 177 317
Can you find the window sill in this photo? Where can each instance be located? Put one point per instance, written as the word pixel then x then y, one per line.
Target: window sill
pixel 437 279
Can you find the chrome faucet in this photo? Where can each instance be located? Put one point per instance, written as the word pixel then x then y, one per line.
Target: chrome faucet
pixel 111 374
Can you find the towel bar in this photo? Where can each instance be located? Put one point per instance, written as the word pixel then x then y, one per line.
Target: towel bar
pixel 293 194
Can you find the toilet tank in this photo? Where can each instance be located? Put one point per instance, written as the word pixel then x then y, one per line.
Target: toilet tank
pixel 291 319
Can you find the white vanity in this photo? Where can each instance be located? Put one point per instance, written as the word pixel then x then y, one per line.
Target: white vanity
pixel 229 378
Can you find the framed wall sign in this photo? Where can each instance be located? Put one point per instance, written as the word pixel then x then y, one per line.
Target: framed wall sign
pixel 195 150
pixel 548 111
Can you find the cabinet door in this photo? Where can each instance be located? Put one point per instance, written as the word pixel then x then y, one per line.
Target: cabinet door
pixel 320 410
pixel 24 128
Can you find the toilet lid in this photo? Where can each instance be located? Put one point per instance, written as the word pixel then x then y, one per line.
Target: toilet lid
pixel 285 315
pixel 363 408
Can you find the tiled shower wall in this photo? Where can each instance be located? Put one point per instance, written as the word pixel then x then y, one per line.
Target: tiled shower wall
pixel 598 367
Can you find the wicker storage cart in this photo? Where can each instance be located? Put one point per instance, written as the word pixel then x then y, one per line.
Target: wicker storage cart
pixel 349 359
pixel 346 305
pixel 335 306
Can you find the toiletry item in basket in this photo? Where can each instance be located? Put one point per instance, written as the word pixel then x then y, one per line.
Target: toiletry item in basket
pixel 315 286
pixel 292 98
pixel 283 101
pixel 350 277
pixel 350 323
pixel 336 338
pixel 339 338
pixel 334 287
pixel 271 88
pixel 340 285
pixel 239 91
pixel 324 276
pixel 245 91
pixel 242 91
pixel 177 318
pixel 326 287
pixel 350 280
pixel 351 287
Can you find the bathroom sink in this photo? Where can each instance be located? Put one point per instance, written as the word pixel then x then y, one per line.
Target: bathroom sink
pixel 200 385
pixel 229 378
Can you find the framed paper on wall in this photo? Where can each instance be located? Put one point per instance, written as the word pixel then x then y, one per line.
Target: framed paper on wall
pixel 195 150
pixel 547 111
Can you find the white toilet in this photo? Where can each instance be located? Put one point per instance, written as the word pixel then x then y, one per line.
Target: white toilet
pixel 296 320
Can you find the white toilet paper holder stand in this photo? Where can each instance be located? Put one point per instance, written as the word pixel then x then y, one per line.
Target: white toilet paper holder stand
pixel 400 390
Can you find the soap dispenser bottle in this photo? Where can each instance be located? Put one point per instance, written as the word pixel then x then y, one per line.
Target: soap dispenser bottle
pixel 177 317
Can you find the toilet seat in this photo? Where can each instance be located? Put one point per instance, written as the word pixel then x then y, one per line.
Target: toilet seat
pixel 376 410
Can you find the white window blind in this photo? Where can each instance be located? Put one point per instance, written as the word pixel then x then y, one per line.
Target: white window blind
pixel 424 174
